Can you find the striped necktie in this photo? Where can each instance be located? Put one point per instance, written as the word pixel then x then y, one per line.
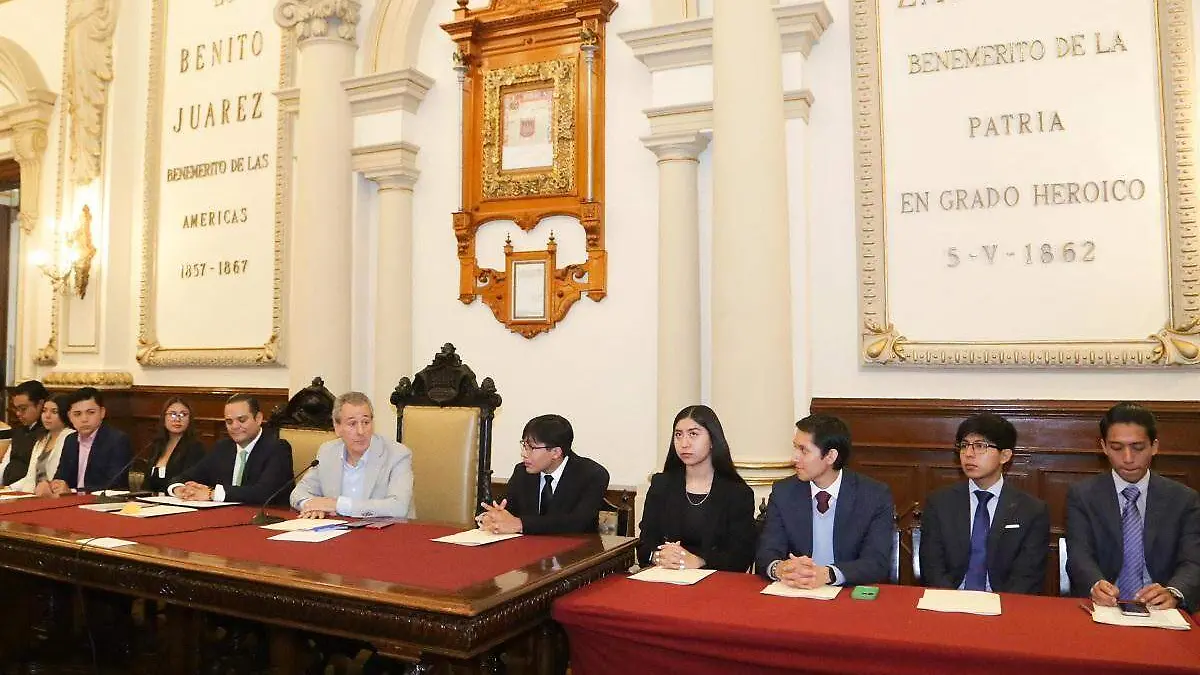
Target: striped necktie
pixel 1133 559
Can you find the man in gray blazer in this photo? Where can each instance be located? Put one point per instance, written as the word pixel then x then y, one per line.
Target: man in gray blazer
pixel 360 474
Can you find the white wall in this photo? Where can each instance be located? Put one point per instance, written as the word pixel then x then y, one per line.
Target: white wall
pixel 597 367
pixel 833 318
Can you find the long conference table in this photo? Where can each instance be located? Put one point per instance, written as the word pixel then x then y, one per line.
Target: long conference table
pixel 724 625
pixel 450 608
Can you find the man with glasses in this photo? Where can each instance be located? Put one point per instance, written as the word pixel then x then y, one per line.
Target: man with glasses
pixel 27 400
pixel 360 474
pixel 983 534
pixel 553 490
pixel 1133 534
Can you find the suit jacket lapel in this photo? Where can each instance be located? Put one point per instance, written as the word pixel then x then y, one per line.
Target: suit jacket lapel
pixel 94 455
pixel 845 511
pixel 959 536
pixel 374 467
pixel 1110 513
pixel 1156 508
pixel 1005 510
pixel 565 482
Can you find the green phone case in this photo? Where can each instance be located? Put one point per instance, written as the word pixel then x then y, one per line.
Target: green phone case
pixel 865 592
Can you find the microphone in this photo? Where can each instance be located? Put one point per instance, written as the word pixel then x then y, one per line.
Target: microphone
pixel 264 518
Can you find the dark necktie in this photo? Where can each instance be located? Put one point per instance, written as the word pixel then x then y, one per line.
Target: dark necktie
pixel 976 579
pixel 547 494
pixel 1133 556
pixel 822 501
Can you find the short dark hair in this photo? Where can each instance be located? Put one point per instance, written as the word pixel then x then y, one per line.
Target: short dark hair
pixel 552 431
pixel 63 403
pixel 829 433
pixel 86 394
pixel 1127 412
pixel 994 428
pixel 248 399
pixel 33 390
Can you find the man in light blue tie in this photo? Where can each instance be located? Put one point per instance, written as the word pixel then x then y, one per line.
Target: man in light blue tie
pixel 1132 526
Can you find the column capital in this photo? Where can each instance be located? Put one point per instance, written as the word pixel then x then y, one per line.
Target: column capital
pixel 681 146
pixel 391 166
pixel 314 18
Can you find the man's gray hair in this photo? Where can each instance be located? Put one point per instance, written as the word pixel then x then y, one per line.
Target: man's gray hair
pixel 351 398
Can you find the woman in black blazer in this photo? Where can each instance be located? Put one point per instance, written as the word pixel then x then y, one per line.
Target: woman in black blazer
pixel 175 447
pixel 699 513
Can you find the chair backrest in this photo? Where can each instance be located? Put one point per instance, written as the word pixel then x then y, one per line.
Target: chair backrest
pixel 305 422
pixel 894 563
pixel 445 418
pixel 1064 581
pixel 916 553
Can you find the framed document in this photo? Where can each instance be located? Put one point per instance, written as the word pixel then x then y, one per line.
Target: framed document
pixel 530 281
pixel 528 129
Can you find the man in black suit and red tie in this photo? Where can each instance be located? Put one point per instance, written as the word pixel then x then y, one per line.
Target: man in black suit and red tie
pixel 1131 533
pixel 248 467
pixel 983 534
pixel 553 490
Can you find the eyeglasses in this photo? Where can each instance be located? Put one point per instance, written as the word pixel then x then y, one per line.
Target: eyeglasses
pixel 23 407
pixel 526 446
pixel 178 415
pixel 975 447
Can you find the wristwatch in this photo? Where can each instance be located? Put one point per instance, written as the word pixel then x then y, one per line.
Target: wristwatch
pixel 1177 593
pixel 832 576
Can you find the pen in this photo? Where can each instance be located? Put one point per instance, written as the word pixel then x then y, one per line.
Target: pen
pixel 331 526
pixel 1085 609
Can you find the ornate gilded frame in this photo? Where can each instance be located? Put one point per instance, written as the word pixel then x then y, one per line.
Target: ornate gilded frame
pixel 513 45
pixel 1177 343
pixel 149 351
pixel 559 178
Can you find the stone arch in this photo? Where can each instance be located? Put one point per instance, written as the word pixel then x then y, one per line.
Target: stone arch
pixel 394 34
pixel 25 121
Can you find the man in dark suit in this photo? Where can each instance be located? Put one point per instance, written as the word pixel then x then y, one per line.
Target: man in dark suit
pixel 1131 533
pixel 27 400
pixel 96 456
pixel 553 490
pixel 828 525
pixel 249 466
pixel 1000 546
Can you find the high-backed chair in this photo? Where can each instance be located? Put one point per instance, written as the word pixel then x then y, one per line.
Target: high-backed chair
pixel 445 417
pixel 305 422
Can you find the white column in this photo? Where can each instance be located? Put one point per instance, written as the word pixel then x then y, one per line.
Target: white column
pixel 393 291
pixel 319 243
pixel 679 365
pixel 751 280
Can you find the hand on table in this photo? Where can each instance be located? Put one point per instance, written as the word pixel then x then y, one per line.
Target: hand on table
pixel 318 507
pixel 1104 593
pixel 671 555
pixel 497 520
pixel 59 488
pixel 1157 597
pixel 194 492
pixel 801 572
pixel 43 489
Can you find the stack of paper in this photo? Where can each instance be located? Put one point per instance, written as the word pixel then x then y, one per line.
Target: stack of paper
pixel 176 501
pixel 105 542
pixel 661 575
pixel 474 537
pixel 103 508
pixel 961 602
pixel 299 524
pixel 136 510
pixel 1170 619
pixel 818 593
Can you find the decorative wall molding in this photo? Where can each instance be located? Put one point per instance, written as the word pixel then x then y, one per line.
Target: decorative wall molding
pixel 383 92
pixel 394 34
pixel 392 166
pixel 309 19
pixel 801 25
pixel 26 122
pixel 88 72
pixel 100 379
pixel 680 146
pixel 695 117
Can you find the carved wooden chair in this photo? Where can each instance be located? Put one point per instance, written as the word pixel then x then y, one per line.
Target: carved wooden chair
pixel 445 417
pixel 305 422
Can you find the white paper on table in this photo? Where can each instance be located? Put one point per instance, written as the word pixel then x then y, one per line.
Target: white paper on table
pixel 661 575
pixel 297 524
pixel 111 493
pixel 981 603
pixel 176 501
pixel 103 508
pixel 308 535
pixel 785 591
pixel 474 537
pixel 1170 619
pixel 105 542
pixel 4 498
pixel 152 511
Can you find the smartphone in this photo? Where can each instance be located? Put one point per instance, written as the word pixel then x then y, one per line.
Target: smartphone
pixel 1131 608
pixel 865 592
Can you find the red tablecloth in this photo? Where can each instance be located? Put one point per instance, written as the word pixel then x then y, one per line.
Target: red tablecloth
pixel 401 554
pixel 12 506
pixel 724 625
pixel 98 524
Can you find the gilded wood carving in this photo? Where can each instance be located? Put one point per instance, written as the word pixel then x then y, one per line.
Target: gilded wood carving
pixel 532 147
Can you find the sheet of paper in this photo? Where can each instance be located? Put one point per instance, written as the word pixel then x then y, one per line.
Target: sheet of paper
pixel 104 508
pixel 474 537
pixel 308 535
pixel 818 593
pixel 1170 619
pixel 176 501
pixel 661 575
pixel 105 542
pixel 4 498
pixel 136 510
pixel 297 524
pixel 960 602
pixel 111 493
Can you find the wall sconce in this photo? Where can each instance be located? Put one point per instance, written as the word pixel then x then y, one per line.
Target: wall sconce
pixel 75 266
